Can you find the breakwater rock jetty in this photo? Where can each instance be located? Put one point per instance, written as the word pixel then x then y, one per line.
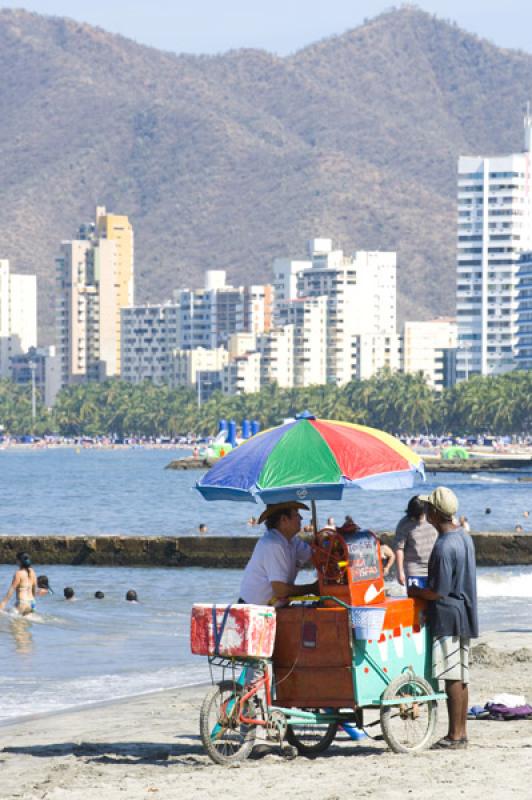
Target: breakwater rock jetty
pixel 432 464
pixel 191 462
pixel 493 549
pixel 485 464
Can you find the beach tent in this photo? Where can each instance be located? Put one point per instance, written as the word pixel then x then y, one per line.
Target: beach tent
pixel 455 452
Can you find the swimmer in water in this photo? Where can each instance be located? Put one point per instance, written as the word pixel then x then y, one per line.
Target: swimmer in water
pixel 68 593
pixel 24 583
pixel 131 595
pixel 43 586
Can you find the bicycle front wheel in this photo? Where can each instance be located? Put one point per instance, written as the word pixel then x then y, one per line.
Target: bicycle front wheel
pixel 224 737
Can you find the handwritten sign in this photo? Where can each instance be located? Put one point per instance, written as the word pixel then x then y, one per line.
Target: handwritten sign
pixel 363 560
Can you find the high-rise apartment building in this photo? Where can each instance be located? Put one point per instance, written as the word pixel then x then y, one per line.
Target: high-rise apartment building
pixel 199 368
pixel 94 281
pixel 18 315
pixel 308 318
pixel 276 348
pixel 117 228
pixel 494 228
pixel 149 336
pixel 285 279
pixel 209 316
pixel 524 313
pixel 38 367
pixel 424 347
pixel 242 374
pixel 376 352
pixel 360 292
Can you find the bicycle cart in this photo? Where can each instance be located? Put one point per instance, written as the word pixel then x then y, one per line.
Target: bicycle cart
pixel 336 661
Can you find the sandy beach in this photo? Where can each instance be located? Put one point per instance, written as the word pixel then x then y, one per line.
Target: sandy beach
pixel 149 747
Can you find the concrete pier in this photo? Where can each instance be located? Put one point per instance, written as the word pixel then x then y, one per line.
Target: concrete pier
pixel 432 464
pixel 493 549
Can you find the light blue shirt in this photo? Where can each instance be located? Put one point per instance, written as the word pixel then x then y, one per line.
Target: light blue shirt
pixel 274 559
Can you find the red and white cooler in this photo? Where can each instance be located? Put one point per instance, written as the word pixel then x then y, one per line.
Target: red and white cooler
pixel 244 631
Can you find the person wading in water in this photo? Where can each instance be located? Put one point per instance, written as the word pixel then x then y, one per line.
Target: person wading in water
pixel 24 583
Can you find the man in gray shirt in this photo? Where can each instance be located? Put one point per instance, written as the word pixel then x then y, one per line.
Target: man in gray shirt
pixel 414 540
pixel 453 616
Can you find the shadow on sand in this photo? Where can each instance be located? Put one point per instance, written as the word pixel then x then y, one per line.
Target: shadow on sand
pixel 116 752
pixel 189 752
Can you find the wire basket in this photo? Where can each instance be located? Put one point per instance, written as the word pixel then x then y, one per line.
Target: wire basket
pixel 367 621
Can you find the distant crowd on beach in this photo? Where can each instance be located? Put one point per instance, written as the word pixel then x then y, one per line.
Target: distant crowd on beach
pixel 98 442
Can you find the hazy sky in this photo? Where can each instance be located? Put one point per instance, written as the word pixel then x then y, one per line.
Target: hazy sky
pixel 280 26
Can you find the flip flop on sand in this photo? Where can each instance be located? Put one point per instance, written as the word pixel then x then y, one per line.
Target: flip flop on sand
pixel 450 744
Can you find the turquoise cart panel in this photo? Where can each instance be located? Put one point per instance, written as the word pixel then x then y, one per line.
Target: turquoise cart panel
pixel 377 662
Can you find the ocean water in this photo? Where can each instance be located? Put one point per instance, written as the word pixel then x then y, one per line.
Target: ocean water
pixel 128 492
pixel 77 653
pixel 70 654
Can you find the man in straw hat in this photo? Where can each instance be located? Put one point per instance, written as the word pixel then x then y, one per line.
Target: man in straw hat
pixel 270 574
pixel 452 595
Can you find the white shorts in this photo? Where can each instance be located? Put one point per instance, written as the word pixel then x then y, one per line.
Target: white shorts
pixel 450 658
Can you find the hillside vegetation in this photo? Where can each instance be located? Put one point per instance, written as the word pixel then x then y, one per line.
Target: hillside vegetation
pixel 228 161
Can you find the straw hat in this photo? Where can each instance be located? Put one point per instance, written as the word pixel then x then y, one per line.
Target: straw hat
pixel 273 508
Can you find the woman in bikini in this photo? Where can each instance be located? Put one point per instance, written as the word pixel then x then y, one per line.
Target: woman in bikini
pixel 24 583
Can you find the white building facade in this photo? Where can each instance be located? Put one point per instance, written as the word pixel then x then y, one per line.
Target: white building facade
pixel 200 369
pixel 494 228
pixel 18 315
pixel 360 293
pixel 150 334
pixel 276 350
pixel 424 344
pixel 375 352
pixel 242 375
pixel 209 316
pixel 524 313
pixel 308 319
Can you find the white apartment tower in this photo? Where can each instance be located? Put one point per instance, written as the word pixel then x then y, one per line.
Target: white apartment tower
pixel 494 228
pixel 209 316
pixel 360 294
pixel 308 318
pixel 18 315
pixel 424 346
pixel 149 337
pixel 276 350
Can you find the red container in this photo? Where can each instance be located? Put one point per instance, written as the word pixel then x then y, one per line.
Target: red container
pixel 246 631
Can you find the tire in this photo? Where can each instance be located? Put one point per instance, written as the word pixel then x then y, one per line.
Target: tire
pixel 225 739
pixel 311 740
pixel 408 728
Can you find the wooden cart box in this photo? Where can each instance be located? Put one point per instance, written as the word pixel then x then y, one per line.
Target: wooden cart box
pixel 312 658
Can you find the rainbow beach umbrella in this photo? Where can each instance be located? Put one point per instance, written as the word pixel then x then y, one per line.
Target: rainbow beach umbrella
pixel 311 459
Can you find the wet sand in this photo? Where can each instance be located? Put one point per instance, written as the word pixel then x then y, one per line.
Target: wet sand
pixel 149 747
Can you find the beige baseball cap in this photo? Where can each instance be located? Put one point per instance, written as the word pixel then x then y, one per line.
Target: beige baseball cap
pixel 443 499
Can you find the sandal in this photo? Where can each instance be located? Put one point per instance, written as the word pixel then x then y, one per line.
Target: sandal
pixel 450 744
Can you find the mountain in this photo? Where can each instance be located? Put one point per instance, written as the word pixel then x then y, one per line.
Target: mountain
pixel 228 161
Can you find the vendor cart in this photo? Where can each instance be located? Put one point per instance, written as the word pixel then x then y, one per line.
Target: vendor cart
pixel 338 662
pixel 349 658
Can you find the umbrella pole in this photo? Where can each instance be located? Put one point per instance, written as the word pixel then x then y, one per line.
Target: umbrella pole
pixel 314 517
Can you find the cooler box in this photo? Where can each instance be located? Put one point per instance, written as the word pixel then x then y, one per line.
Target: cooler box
pixel 239 630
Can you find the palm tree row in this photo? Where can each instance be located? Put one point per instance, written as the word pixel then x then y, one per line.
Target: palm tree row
pixel 396 402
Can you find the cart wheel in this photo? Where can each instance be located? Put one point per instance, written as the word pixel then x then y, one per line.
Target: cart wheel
pixel 310 740
pixel 408 727
pixel 225 739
